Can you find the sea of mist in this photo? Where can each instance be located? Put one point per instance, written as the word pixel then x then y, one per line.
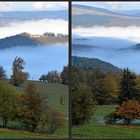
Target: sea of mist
pixel 35 27
pixel 39 60
pixel 110 44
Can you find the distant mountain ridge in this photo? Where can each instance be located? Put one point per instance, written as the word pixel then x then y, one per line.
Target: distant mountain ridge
pixel 95 64
pixel 34 14
pixel 87 16
pixel 129 12
pixel 20 16
pixel 91 8
pixel 26 39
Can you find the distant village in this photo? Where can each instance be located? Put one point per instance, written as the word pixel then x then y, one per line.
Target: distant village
pixel 50 34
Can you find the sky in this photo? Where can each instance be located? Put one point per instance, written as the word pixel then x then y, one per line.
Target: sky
pixel 33 6
pixel 113 5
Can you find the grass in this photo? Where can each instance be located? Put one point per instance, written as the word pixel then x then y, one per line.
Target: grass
pixel 8 134
pixel 98 130
pixel 51 92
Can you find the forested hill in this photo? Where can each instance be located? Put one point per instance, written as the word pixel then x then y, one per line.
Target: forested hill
pixel 88 16
pixel 94 63
pixel 17 40
pixel 25 39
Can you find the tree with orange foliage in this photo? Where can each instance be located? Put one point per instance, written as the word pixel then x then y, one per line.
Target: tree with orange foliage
pixel 30 106
pixel 129 111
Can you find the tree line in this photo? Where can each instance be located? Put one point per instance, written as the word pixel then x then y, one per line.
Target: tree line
pixel 91 87
pixel 29 107
pixel 56 77
pixel 18 76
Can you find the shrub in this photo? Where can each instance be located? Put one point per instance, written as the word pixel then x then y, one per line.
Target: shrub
pixel 52 120
pixel 111 118
pixel 129 111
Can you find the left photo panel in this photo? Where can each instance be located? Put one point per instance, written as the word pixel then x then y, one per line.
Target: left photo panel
pixel 34 70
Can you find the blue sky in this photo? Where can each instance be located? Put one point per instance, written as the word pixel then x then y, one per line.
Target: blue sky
pixel 113 5
pixel 33 6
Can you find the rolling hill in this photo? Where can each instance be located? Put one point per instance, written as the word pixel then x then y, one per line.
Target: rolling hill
pixel 87 16
pixel 129 12
pixel 25 39
pixel 94 63
pixel 20 16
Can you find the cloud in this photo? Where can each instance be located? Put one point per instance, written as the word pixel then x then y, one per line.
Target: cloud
pixel 108 41
pixel 31 6
pixel 131 33
pixel 114 5
pixel 5 6
pixel 35 27
pixel 49 5
pixel 38 5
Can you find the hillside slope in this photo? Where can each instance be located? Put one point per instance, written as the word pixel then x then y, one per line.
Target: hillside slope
pixel 87 16
pixel 25 39
pixel 94 63
pixel 20 16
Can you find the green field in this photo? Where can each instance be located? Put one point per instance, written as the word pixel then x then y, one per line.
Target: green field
pixel 9 133
pixel 51 92
pixel 96 129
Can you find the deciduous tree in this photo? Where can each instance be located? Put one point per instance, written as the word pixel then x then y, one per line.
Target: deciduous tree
pixel 7 102
pixel 129 111
pixel 52 120
pixel 30 106
pixel 53 77
pixel 18 77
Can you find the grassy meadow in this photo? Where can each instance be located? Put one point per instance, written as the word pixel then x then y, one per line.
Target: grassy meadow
pixel 51 92
pixel 96 129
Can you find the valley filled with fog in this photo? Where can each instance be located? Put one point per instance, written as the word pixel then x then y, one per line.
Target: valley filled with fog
pixel 39 59
pixel 117 45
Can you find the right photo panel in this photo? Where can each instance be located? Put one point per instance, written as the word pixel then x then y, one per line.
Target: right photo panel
pixel 105 70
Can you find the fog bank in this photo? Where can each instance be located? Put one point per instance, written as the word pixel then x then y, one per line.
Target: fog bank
pixel 35 27
pixel 39 60
pixel 131 33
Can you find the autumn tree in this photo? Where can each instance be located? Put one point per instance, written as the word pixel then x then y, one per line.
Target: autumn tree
pixel 2 73
pixel 128 87
pixel 53 77
pixel 104 86
pixel 129 111
pixel 18 77
pixel 7 102
pixel 30 106
pixel 52 120
pixel 95 79
pixel 110 88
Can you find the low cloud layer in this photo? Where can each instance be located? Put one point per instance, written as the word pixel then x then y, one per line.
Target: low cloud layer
pixel 131 33
pixel 107 45
pixel 35 27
